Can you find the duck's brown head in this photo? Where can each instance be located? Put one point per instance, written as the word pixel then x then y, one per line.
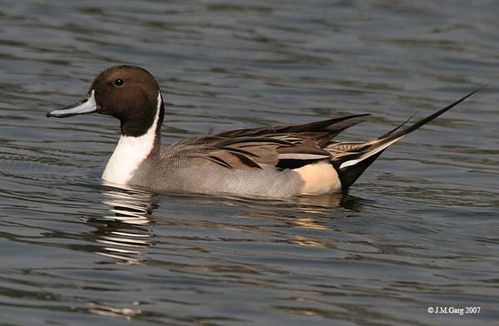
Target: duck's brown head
pixel 128 93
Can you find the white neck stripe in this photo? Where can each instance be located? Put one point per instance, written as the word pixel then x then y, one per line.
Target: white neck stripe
pixel 130 152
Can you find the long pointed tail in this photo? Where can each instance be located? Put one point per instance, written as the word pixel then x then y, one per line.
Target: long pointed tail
pixel 351 159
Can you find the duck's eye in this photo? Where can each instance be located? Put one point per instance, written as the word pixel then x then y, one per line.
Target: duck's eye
pixel 119 82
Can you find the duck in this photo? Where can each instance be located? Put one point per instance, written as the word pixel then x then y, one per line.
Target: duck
pixel 276 162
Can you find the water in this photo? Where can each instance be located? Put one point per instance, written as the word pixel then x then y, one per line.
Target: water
pixel 418 230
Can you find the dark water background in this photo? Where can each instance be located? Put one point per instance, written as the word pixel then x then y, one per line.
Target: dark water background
pixel 419 229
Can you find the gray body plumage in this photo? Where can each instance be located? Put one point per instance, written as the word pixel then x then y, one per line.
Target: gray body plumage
pixel 171 173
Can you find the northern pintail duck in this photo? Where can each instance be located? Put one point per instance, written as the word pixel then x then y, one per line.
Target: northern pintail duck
pixel 279 161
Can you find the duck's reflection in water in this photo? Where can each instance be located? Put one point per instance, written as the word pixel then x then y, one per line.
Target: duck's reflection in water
pixel 123 233
pixel 280 219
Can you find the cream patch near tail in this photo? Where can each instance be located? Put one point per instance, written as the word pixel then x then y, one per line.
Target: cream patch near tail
pixel 319 178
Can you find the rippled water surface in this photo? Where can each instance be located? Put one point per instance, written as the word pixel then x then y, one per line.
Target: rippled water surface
pixel 418 230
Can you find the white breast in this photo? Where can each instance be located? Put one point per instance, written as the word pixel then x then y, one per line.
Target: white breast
pixel 129 153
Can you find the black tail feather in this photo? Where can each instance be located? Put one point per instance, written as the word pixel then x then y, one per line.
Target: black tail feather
pixel 351 163
pixel 429 118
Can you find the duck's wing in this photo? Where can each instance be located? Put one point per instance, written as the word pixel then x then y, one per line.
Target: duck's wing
pixel 321 132
pixel 278 146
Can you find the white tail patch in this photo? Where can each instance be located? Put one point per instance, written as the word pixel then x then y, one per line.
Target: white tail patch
pixel 369 154
pixel 130 152
pixel 319 178
pixel 294 156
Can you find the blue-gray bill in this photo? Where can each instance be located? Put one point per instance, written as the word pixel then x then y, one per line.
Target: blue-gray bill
pixel 86 106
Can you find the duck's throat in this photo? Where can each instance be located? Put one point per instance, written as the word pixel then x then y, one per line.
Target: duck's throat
pixel 131 152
